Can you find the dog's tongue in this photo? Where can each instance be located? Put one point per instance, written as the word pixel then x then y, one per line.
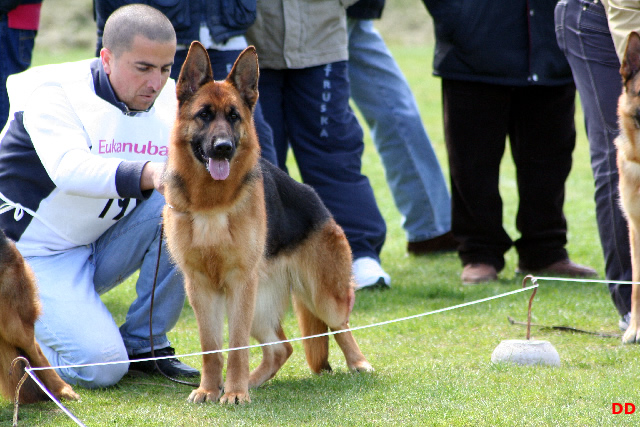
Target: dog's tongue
pixel 219 169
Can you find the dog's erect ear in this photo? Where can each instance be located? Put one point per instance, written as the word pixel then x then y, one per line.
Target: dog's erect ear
pixel 631 61
pixel 195 72
pixel 244 76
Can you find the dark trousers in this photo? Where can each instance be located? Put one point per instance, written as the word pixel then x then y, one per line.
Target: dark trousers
pixel 221 63
pixel 539 121
pixel 583 34
pixel 16 47
pixel 308 110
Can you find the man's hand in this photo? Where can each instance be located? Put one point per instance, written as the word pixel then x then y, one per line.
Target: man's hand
pixel 152 177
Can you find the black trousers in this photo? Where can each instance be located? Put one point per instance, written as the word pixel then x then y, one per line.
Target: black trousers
pixel 539 124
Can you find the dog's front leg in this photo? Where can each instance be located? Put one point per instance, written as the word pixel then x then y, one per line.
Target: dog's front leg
pixel 208 307
pixel 241 296
pixel 632 334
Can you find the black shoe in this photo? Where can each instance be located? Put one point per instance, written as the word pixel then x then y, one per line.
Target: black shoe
pixel 170 366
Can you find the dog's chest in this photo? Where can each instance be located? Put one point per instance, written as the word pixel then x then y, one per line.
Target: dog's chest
pixel 211 229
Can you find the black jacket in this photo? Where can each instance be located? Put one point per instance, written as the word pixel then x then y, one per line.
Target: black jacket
pixel 506 42
pixel 225 18
pixel 366 9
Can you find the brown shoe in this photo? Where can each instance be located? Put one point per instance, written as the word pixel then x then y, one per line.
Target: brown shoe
pixel 478 273
pixel 444 243
pixel 564 267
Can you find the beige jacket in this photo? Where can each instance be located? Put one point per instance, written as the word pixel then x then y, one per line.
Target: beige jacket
pixel 300 33
pixel 624 17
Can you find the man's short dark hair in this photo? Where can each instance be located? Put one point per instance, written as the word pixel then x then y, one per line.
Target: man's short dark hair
pixel 131 20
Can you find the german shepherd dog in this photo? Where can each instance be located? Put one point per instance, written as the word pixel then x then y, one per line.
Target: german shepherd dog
pixel 19 309
pixel 248 237
pixel 628 159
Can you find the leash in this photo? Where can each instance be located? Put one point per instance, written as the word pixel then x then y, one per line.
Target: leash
pixel 564 329
pixel 153 292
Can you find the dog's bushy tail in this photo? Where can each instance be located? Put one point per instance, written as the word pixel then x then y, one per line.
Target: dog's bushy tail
pixel 316 349
pixel 30 392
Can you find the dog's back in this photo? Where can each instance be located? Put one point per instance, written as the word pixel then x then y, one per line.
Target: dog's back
pixel 294 210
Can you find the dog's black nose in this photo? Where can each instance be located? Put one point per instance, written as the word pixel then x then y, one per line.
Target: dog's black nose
pixel 222 148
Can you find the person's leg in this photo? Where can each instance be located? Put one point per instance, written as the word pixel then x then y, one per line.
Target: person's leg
pixel 133 244
pixel 16 47
pixel 583 35
pixel 271 85
pixel 542 135
pixel 475 122
pixel 75 327
pixel 385 100
pixel 328 143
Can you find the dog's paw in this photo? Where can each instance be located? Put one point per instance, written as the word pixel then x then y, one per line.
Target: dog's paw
pixel 631 335
pixel 201 395
pixel 67 393
pixel 235 398
pixel 362 367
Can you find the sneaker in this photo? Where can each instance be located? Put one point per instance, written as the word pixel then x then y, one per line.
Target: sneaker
pixel 623 323
pixel 171 366
pixel 564 268
pixel 368 273
pixel 478 273
pixel 444 243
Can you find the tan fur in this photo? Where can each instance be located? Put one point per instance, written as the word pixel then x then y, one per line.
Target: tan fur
pixel 216 232
pixel 19 309
pixel 628 160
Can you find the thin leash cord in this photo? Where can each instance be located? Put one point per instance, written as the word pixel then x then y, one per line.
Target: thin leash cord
pixel 153 292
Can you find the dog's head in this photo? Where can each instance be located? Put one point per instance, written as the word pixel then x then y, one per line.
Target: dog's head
pixel 216 116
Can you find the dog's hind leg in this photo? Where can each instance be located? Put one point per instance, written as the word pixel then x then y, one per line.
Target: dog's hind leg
pixel 316 349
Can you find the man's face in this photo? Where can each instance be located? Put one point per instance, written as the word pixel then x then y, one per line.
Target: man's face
pixel 139 74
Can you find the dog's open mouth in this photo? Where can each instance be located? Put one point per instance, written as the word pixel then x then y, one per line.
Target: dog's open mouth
pixel 218 168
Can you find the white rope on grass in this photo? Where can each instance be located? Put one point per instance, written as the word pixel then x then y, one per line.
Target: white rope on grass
pixel 55 399
pixel 387 322
pixel 224 350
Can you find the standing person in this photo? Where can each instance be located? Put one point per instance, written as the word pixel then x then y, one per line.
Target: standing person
pixel 81 169
pixel 220 25
pixel 583 35
pixel 19 22
pixel 386 102
pixel 504 75
pixel 304 88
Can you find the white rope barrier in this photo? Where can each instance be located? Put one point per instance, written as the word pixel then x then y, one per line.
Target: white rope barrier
pixel 31 371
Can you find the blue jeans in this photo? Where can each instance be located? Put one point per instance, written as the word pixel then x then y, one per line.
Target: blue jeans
pixel 386 102
pixel 76 327
pixel 16 47
pixel 583 34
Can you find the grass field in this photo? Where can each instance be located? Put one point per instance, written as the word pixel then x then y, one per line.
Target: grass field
pixel 433 370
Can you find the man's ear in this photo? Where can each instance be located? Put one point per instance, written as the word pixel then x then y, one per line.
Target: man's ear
pixel 106 56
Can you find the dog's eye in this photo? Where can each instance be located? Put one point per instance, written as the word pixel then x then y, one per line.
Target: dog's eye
pixel 205 115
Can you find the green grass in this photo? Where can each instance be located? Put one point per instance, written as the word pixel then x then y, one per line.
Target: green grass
pixel 434 370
